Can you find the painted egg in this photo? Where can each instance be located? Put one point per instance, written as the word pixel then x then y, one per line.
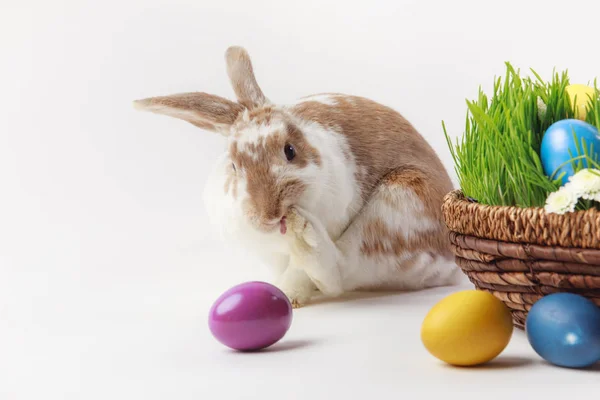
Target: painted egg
pixel 580 96
pixel 467 328
pixel 564 329
pixel 250 316
pixel 565 140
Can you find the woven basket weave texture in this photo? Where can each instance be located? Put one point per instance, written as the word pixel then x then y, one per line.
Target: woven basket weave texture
pixel 522 254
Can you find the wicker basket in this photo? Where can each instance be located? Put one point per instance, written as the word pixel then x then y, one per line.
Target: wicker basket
pixel 522 254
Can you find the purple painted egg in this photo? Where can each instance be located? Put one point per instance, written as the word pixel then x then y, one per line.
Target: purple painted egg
pixel 250 316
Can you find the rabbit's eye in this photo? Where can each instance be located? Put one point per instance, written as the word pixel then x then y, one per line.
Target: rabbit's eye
pixel 289 151
pixel 233 166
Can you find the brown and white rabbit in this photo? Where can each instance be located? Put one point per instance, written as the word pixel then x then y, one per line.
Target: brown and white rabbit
pixel 337 193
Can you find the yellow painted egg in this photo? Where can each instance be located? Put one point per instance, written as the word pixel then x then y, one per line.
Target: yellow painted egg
pixel 467 328
pixel 580 96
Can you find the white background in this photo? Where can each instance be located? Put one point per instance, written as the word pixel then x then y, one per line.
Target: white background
pixel 108 268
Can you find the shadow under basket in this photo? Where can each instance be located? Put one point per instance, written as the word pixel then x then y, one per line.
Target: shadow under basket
pixel 522 254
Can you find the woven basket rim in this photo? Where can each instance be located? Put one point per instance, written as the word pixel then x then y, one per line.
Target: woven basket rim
pixel 458 196
pixel 578 229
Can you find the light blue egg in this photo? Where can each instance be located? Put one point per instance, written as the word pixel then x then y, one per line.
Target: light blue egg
pixel 564 329
pixel 559 140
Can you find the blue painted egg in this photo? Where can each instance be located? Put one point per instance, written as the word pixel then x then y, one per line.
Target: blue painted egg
pixel 559 140
pixel 564 329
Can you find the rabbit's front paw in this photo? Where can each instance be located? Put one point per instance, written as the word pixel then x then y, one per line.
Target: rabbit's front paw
pixel 297 299
pixel 297 286
pixel 301 230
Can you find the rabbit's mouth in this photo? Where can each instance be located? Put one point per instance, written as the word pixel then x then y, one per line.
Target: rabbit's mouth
pixel 273 225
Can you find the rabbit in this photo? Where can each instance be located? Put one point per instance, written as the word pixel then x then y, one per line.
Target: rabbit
pixel 335 193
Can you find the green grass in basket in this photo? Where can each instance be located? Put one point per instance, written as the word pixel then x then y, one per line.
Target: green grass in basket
pixel 497 159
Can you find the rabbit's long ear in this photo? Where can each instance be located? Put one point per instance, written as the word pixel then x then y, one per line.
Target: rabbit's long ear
pixel 204 110
pixel 241 75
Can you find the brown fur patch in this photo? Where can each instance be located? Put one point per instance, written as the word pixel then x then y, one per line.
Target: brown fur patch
pixel 305 152
pixel 381 141
pixel 427 187
pixel 377 235
pixel 380 240
pixel 262 115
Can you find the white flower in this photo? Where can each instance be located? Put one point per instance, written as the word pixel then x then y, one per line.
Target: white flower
pixel 561 201
pixel 585 184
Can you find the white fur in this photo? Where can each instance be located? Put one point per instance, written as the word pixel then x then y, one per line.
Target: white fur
pixel 330 257
pixel 408 271
pixel 338 266
pixel 333 194
pixel 410 218
pixel 326 99
pixel 253 132
pixel 226 215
